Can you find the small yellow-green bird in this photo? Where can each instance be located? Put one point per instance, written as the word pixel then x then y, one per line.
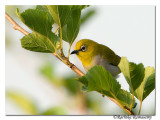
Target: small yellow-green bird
pixel 91 53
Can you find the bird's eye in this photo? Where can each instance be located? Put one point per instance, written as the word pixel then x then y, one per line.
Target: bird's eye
pixel 83 48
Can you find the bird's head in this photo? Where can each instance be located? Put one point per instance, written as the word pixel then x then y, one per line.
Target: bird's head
pixel 85 49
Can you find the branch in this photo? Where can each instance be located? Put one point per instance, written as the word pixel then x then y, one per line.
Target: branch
pixel 19 28
pixel 127 110
pixel 15 25
pixel 65 60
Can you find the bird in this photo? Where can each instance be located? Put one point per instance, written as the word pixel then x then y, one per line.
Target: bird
pixel 91 53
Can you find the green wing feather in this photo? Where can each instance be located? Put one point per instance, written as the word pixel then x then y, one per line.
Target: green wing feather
pixel 109 55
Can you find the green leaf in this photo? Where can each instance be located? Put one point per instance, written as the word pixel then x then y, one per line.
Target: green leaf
pixel 133 73
pixel 148 84
pixel 87 15
pixel 71 29
pixel 73 25
pixel 40 22
pixel 37 20
pixel 48 71
pixel 60 13
pixel 83 80
pixel 71 85
pixel 68 18
pixel 125 98
pixel 100 80
pixel 38 43
pixel 54 111
pixel 22 101
pixel 44 8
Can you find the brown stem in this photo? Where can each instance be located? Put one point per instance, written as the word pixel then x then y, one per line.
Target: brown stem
pixel 70 65
pixel 15 25
pixel 75 69
pixel 64 60
pixel 126 109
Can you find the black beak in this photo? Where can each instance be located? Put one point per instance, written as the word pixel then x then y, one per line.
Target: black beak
pixel 74 51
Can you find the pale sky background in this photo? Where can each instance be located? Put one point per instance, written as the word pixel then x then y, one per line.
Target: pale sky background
pixel 128 30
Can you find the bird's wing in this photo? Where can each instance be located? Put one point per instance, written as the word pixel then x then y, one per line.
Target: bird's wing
pixel 109 55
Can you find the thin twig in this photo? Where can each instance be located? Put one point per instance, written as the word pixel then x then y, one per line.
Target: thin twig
pixel 64 60
pixel 19 28
pixel 15 25
pixel 115 100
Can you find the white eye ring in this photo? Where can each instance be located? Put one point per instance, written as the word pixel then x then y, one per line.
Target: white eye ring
pixel 83 48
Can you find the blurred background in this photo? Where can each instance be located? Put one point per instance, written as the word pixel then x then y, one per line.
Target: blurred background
pixel 39 84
